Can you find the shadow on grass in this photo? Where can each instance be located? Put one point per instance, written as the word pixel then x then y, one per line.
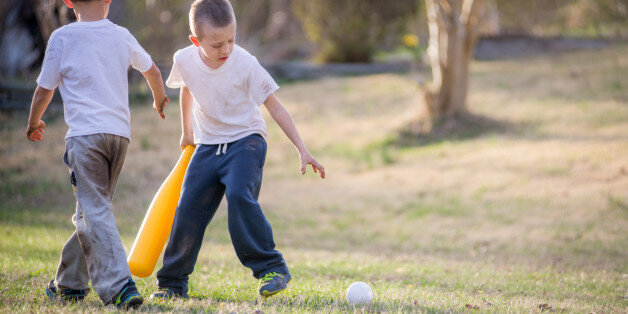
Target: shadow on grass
pixel 472 126
pixel 465 127
pixel 382 152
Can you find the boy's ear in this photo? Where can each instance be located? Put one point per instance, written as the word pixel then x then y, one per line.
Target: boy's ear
pixel 68 3
pixel 193 39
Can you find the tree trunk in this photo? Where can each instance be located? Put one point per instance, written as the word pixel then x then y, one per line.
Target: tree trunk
pixel 452 27
pixel 51 14
pixel 492 18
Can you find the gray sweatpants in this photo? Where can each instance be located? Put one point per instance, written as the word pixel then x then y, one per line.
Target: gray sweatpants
pixel 95 250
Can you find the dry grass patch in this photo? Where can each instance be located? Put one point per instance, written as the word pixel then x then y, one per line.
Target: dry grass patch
pixel 507 219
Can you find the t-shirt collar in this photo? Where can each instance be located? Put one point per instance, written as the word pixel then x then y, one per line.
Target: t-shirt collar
pixel 99 23
pixel 224 66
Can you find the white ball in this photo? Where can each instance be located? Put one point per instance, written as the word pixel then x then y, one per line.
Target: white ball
pixel 359 292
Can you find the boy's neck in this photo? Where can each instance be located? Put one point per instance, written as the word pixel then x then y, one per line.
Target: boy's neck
pixel 90 11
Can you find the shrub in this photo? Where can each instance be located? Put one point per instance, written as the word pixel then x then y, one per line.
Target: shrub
pixel 351 30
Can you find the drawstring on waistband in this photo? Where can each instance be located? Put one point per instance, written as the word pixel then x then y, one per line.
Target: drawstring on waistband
pixel 224 149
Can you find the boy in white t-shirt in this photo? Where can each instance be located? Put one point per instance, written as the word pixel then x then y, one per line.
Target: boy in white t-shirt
pixel 88 61
pixel 222 89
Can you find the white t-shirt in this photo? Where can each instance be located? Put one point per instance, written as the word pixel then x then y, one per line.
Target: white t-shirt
pixel 227 100
pixel 89 62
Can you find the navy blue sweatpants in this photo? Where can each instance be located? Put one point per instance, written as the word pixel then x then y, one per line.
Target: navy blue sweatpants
pixel 237 174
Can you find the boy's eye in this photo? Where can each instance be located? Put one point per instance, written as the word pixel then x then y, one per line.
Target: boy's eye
pixel 216 46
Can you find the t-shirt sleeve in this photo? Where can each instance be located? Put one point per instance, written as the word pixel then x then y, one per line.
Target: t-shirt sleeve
pixel 261 84
pixel 140 59
pixel 175 80
pixel 50 75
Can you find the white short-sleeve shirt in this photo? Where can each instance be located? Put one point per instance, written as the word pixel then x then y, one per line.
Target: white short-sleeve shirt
pixel 89 61
pixel 227 100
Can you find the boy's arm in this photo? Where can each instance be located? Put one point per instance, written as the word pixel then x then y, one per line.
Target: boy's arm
pixel 282 117
pixel 187 133
pixel 41 99
pixel 156 84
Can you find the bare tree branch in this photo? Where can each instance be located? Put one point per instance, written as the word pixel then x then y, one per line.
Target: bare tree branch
pixel 470 13
pixel 47 18
pixel 443 12
pixel 445 7
pixel 435 24
pixel 470 16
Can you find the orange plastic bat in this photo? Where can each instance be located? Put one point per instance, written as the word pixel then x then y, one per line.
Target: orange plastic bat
pixel 158 220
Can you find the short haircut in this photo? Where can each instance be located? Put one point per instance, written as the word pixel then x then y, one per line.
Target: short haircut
pixel 217 13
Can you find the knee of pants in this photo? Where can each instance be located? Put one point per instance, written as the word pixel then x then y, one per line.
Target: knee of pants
pixel 96 215
pixel 241 199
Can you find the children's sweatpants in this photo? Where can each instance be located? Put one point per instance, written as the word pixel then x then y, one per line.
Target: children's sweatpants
pixel 95 250
pixel 234 170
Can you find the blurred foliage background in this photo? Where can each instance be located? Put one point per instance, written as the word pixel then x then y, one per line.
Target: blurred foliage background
pixel 353 30
pixel 356 30
pixel 289 30
pixel 520 205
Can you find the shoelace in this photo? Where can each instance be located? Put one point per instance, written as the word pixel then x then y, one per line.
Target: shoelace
pixel 119 298
pixel 224 149
pixel 269 277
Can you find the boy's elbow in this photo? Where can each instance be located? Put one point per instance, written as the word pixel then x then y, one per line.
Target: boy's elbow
pixel 153 71
pixel 270 102
pixel 41 89
pixel 156 70
pixel 43 92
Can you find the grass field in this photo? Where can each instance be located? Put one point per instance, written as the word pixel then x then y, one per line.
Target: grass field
pixel 528 213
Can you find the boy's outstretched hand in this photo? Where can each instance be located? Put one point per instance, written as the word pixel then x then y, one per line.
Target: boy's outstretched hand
pixel 281 115
pixel 160 107
pixel 307 159
pixel 35 132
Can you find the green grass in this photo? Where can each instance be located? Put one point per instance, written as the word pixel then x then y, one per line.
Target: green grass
pixel 523 210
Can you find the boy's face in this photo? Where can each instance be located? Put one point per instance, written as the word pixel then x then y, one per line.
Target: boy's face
pixel 216 43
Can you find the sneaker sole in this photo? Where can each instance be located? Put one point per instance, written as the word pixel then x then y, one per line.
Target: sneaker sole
pixel 270 293
pixel 266 293
pixel 133 302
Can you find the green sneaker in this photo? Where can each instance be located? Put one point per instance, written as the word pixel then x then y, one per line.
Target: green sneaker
pixel 128 297
pixel 167 293
pixel 273 283
pixel 64 295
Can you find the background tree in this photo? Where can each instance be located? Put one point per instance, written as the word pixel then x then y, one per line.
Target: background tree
pixel 25 26
pixel 161 26
pixel 51 14
pixel 351 30
pixel 608 18
pixel 270 29
pixel 267 27
pixel 453 29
